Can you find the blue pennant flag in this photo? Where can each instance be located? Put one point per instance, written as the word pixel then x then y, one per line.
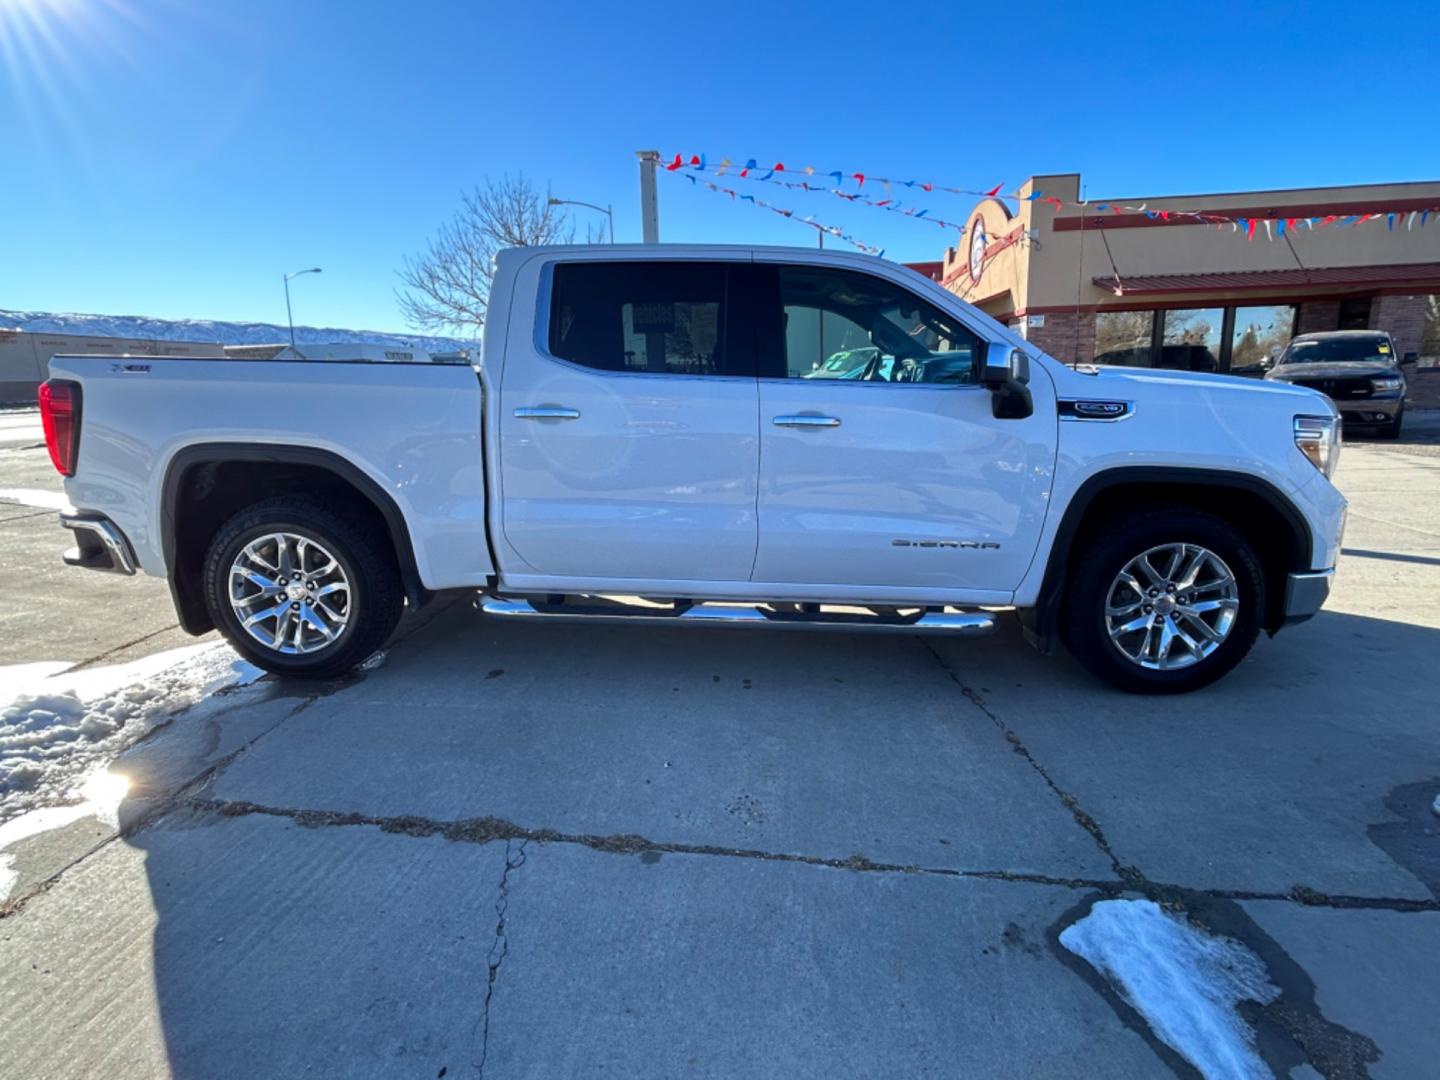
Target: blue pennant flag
pixel 768 175
pixel 750 197
pixel 1280 227
pixel 1034 195
pixel 1390 222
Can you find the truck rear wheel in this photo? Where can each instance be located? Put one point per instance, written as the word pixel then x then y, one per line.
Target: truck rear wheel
pixel 299 587
pixel 1164 601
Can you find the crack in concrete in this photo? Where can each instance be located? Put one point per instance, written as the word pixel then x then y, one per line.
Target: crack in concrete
pixel 500 947
pixel 1290 1030
pixel 485 830
pixel 162 806
pixel 1128 874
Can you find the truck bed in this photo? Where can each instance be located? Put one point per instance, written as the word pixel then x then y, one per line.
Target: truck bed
pixel 411 429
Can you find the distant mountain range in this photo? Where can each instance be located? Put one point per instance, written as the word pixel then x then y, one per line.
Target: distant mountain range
pixel 227 333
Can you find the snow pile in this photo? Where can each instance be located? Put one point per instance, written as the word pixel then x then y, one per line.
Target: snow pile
pixel 59 729
pixel 36 497
pixel 1185 982
pixel 210 330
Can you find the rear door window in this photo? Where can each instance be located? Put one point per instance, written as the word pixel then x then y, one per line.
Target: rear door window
pixel 649 317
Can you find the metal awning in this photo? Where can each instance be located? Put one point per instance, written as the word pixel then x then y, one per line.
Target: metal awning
pixel 1426 275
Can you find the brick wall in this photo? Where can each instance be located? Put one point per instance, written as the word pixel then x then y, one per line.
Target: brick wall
pixel 1318 315
pixel 1068 337
pixel 1403 317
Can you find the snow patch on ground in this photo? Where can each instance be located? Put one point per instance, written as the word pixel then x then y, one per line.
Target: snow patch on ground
pixel 100 795
pixel 58 730
pixel 1184 981
pixel 36 497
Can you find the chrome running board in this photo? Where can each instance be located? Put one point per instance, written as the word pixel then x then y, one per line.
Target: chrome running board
pixel 727 613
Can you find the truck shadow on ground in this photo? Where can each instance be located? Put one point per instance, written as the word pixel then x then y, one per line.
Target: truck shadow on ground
pixel 283 942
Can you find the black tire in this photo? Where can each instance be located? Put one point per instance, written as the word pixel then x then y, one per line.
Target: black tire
pixel 1106 552
pixel 1392 430
pixel 364 554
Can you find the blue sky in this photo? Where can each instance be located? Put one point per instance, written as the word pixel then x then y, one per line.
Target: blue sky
pixel 174 157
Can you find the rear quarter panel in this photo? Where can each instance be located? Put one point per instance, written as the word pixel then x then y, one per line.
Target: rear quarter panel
pixel 414 429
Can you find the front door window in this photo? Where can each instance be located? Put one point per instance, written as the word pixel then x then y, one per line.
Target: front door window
pixel 852 327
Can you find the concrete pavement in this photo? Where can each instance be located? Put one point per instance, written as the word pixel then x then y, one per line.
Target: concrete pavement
pixel 562 851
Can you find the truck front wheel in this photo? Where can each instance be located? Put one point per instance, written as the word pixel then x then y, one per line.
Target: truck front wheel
pixel 300 587
pixel 1164 601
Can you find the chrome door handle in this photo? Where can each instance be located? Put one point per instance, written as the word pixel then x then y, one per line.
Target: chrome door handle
pixel 548 413
pixel 806 420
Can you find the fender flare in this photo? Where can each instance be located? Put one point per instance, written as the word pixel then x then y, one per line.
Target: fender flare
pixel 188 601
pixel 1040 623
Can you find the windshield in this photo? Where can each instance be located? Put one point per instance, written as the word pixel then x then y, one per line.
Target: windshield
pixel 1375 350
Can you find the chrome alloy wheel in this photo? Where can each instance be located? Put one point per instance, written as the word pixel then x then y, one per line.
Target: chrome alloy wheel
pixel 289 593
pixel 1171 606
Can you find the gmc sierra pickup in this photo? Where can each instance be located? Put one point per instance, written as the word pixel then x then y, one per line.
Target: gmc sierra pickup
pixel 704 436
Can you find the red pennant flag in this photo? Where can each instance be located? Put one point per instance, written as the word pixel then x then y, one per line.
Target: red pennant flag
pixel 927 187
pixel 779 166
pixel 674 164
pixel 859 177
pixel 994 191
pixel 694 159
pixel 1057 203
pixel 1164 215
pixel 1250 229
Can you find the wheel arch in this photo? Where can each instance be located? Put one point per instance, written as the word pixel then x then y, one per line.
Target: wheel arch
pixel 191 509
pixel 1269 519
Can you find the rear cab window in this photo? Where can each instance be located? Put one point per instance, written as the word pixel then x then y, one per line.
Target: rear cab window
pixel 656 317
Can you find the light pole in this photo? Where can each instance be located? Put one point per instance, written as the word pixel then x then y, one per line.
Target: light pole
pixel 607 211
pixel 290 317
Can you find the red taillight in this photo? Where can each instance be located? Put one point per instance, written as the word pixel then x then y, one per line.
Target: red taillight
pixel 60 416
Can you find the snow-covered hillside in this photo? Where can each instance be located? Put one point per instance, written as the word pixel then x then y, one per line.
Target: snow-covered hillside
pixel 227 333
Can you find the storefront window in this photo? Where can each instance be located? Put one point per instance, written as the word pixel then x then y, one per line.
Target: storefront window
pixel 1124 337
pixel 1191 339
pixel 1259 336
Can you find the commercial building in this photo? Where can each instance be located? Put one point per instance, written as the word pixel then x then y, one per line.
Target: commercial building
pixel 24 356
pixel 1152 289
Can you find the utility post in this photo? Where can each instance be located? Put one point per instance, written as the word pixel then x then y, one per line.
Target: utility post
pixel 649 206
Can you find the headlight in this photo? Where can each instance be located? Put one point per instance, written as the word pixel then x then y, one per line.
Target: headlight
pixel 1318 438
pixel 1385 382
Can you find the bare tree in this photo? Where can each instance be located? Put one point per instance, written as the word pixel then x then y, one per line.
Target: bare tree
pixel 447 287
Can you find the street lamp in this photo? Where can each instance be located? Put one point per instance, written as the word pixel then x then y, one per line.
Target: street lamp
pixel 607 211
pixel 297 273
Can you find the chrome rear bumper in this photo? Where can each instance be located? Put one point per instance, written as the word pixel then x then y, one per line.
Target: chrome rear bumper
pixel 99 544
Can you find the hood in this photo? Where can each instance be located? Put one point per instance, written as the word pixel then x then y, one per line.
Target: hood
pixel 1184 388
pixel 1333 369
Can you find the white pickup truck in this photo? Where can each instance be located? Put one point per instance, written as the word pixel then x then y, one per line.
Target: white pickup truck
pixel 704 436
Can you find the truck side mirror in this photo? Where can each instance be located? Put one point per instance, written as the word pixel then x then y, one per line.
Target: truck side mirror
pixel 1006 371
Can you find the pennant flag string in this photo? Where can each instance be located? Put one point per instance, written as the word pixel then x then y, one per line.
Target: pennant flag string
pixel 829 230
pixel 779 173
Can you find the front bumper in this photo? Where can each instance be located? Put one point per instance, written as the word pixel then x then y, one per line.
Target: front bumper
pixel 99 544
pixel 1305 594
pixel 1370 410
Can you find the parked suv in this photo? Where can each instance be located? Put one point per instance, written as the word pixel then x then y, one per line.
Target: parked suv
pixel 647 424
pixel 1356 369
